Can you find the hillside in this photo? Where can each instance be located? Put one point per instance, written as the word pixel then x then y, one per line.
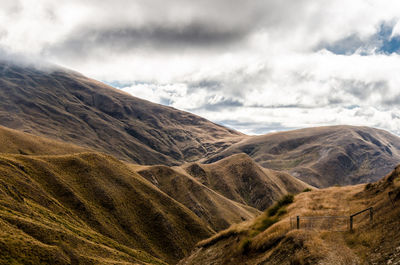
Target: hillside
pixel 239 178
pixel 216 210
pixel 88 208
pixel 324 156
pixel 65 105
pixel 16 142
pixel 270 239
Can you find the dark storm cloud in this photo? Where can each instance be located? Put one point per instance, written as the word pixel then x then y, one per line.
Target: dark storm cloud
pixel 222 104
pixel 85 41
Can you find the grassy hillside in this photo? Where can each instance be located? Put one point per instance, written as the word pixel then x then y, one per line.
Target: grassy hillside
pixel 16 142
pixel 324 156
pixel 65 105
pixel 269 239
pixel 88 208
pixel 239 178
pixel 216 210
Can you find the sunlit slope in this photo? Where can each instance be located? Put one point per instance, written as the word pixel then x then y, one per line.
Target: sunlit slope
pixel 324 156
pixel 216 210
pixel 65 105
pixel 88 208
pixel 239 178
pixel 16 142
pixel 269 239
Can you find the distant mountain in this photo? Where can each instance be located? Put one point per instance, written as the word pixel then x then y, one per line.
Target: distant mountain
pixel 65 105
pixel 323 156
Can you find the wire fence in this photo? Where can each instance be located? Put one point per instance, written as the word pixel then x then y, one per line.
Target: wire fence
pixel 328 223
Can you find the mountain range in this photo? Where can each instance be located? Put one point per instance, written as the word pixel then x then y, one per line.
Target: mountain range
pixel 92 175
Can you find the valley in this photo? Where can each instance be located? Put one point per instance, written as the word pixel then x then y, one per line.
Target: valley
pixel 92 175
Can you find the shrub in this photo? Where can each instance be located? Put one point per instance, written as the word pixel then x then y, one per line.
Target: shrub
pixel 281 212
pixel 307 190
pixel 287 199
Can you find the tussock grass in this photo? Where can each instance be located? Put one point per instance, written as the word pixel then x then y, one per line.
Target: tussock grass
pixel 88 208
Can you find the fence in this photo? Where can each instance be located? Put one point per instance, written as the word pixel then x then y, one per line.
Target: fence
pixel 329 223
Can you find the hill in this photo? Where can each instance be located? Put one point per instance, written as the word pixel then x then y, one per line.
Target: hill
pixel 223 193
pixel 324 156
pixel 64 105
pixel 88 208
pixel 239 178
pixel 271 239
pixel 216 210
pixel 16 142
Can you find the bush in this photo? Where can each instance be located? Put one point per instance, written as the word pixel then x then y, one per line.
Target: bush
pixel 307 190
pixel 267 222
pixel 287 199
pixel 281 212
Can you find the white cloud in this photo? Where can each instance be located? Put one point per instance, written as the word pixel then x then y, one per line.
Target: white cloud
pixel 264 65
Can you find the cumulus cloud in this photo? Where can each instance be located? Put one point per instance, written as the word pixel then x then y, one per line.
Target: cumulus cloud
pixel 256 66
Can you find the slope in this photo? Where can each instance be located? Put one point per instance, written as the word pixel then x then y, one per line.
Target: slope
pixel 16 142
pixel 239 178
pixel 269 239
pixel 216 210
pixel 324 156
pixel 65 105
pixel 88 208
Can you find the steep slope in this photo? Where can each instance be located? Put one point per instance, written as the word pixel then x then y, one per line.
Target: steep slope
pixel 16 142
pixel 65 105
pixel 216 210
pixel 88 208
pixel 239 178
pixel 324 156
pixel 271 239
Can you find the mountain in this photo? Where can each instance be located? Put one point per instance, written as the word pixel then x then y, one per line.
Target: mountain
pixel 323 156
pixel 65 105
pixel 271 239
pixel 239 178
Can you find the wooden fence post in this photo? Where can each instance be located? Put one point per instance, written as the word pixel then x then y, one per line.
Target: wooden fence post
pixel 298 222
pixel 351 223
pixel 371 214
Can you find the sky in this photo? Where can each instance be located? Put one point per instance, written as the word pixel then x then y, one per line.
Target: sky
pixel 256 66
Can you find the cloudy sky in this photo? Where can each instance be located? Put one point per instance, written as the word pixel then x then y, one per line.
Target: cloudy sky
pixel 256 66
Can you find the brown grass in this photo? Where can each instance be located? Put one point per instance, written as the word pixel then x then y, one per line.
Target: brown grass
pixel 374 242
pixel 88 208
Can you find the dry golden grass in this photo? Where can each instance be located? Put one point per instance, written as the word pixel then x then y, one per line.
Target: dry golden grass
pixel 88 208
pixel 16 142
pixel 214 209
pixel 369 243
pixel 239 178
